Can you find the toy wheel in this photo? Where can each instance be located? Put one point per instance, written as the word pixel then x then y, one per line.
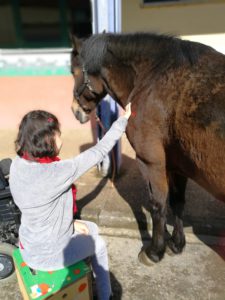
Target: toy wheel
pixel 7 270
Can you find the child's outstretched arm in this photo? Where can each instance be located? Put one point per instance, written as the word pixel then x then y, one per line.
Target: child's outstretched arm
pixel 94 155
pixel 127 111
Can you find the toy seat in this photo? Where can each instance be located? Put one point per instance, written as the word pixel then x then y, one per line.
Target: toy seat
pixel 70 283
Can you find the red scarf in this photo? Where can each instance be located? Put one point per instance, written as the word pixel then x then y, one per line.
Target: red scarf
pixel 47 160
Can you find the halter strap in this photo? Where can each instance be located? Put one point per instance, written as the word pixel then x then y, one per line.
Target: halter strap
pixel 86 83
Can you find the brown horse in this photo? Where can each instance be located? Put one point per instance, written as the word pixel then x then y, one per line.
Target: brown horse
pixel 177 127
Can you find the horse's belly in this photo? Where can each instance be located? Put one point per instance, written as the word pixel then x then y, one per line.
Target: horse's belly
pixel 204 152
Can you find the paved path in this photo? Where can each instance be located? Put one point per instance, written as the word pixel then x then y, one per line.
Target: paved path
pixel 197 274
pixel 122 212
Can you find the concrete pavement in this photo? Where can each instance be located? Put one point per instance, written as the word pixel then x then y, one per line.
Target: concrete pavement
pixel 197 274
pixel 122 214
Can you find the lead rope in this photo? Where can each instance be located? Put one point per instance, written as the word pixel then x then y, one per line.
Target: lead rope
pixel 112 152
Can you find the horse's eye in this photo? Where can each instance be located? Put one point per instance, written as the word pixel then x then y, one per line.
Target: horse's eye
pixel 89 96
pixel 94 93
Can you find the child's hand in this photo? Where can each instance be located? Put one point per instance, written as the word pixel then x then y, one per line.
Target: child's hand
pixel 81 227
pixel 127 111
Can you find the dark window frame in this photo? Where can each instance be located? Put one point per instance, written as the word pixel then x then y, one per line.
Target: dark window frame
pixel 64 28
pixel 147 3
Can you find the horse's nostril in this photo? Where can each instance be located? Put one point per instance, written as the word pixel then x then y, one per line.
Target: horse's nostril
pixel 87 110
pixel 77 115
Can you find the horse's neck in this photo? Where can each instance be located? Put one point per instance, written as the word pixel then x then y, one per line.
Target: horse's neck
pixel 119 83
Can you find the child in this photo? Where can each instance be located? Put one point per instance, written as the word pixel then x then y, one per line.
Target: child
pixel 41 186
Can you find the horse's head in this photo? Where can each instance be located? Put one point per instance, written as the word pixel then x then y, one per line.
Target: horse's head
pixel 88 89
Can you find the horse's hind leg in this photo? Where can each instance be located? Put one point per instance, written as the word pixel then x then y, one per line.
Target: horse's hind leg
pixel 177 200
pixel 155 174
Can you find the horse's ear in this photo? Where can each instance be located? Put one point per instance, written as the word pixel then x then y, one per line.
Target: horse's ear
pixel 76 43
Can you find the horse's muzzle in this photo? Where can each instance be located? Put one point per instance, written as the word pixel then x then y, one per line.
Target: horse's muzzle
pixel 80 115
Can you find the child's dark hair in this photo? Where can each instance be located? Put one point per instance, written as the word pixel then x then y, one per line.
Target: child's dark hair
pixel 36 136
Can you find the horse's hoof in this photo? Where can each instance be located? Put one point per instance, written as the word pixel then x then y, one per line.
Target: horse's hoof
pixel 173 248
pixel 169 251
pixel 144 259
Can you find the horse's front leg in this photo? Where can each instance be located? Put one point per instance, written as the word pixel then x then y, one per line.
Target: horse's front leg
pixel 154 172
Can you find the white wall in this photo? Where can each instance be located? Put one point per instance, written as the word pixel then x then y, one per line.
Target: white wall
pixel 202 21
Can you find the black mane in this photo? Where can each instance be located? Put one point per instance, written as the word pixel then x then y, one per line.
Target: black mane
pixel 163 51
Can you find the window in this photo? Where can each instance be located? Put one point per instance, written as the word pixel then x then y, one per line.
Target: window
pixel 175 2
pixel 155 1
pixel 149 2
pixel 43 23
